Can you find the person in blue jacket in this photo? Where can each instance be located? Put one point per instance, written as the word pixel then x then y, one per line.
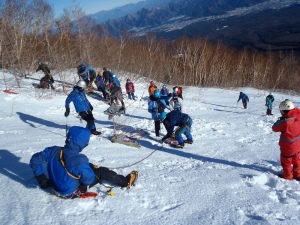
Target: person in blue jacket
pixel 164 94
pixel 269 103
pixel 182 121
pixel 82 106
pixel 244 98
pixel 156 106
pixel 69 173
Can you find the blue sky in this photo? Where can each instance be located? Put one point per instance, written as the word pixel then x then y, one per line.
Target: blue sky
pixel 89 6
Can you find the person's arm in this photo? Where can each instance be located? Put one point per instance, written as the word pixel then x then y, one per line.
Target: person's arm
pixel 37 165
pixel 279 125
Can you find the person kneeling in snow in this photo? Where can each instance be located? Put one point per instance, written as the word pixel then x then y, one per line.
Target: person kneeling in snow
pixel 82 106
pixel 184 123
pixel 70 173
pixel 289 126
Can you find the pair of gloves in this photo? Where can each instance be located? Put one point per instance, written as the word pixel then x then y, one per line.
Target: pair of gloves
pixel 67 112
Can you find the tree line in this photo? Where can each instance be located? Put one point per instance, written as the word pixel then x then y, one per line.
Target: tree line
pixel 30 32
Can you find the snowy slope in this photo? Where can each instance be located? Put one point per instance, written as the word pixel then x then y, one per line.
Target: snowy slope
pixel 225 177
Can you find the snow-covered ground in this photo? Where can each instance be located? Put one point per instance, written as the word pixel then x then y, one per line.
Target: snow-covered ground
pixel 225 177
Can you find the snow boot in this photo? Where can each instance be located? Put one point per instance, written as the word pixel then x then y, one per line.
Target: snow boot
pixel 180 145
pixel 133 178
pixel 95 132
pixel 190 141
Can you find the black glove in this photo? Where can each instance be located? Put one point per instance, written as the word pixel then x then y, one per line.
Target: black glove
pixel 154 110
pixel 43 181
pixel 67 113
pixel 91 107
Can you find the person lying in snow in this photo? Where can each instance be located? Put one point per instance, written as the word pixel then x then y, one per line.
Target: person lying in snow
pixel 70 173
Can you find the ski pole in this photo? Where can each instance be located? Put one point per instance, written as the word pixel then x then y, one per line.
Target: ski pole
pixel 66 126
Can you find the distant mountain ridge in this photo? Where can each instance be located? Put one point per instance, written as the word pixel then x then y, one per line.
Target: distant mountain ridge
pixel 121 11
pixel 208 18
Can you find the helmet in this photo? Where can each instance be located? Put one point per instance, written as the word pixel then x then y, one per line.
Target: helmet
pixel 90 68
pixel 162 116
pixel 270 93
pixel 156 94
pixel 164 86
pixel 151 82
pixel 286 105
pixel 81 84
pixel 100 73
pixel 39 62
pixel 104 68
pixel 82 64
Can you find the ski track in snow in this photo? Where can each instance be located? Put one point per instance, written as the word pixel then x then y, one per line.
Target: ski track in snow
pixel 225 177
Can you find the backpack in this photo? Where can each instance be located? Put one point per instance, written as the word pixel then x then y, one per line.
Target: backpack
pixel 160 107
pixel 179 90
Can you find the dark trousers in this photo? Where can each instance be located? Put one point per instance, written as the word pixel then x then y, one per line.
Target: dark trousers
pixel 244 103
pixel 157 127
pixel 102 89
pixel 103 173
pixel 89 118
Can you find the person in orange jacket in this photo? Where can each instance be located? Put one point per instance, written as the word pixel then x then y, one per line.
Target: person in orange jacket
pixel 289 126
pixel 152 88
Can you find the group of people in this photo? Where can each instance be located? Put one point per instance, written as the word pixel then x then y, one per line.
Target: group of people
pixel 269 102
pixel 70 173
pixel 159 101
pixel 289 127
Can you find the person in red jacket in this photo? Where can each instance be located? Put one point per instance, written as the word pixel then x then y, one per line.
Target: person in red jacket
pixel 289 126
pixel 130 89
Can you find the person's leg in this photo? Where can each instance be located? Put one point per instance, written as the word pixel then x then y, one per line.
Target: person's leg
pixel 129 95
pixel 286 164
pixel 89 118
pixel 157 127
pixel 296 167
pixel 103 173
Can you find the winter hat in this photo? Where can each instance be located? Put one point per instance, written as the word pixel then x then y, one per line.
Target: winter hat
pixel 128 80
pixel 78 135
pixel 156 94
pixel 151 82
pixel 104 68
pixel 90 68
pixel 164 86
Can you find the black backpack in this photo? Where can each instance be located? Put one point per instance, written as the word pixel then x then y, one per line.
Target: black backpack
pixel 160 107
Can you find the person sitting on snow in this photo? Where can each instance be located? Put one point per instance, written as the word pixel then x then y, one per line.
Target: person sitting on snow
pixel 156 106
pixel 269 103
pixel 244 98
pixel 289 127
pixel 82 106
pixel 184 123
pixel 130 89
pixel 70 174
